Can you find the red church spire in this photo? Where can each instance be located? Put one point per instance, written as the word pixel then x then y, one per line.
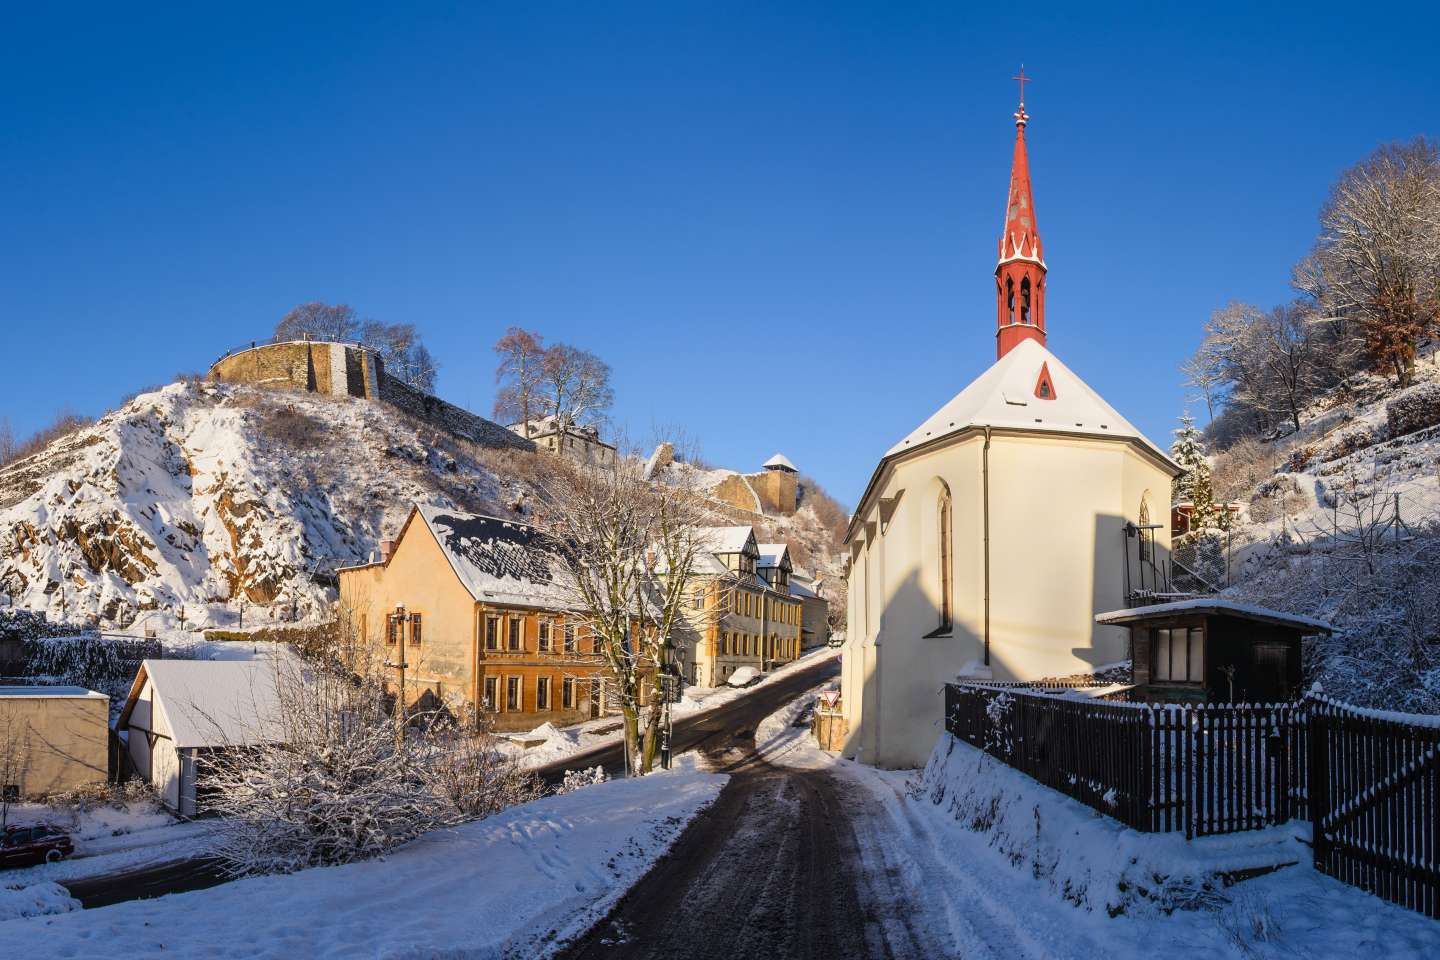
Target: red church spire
pixel 1020 273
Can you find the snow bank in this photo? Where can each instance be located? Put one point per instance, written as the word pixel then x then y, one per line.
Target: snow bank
pixel 36 900
pixel 518 884
pixel 1091 860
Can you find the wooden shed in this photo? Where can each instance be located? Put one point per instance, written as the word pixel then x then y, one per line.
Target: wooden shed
pixel 1213 650
pixel 179 710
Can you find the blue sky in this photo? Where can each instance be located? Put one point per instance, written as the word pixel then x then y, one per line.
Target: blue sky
pixel 776 221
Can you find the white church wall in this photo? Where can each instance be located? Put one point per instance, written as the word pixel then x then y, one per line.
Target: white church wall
pixel 1058 506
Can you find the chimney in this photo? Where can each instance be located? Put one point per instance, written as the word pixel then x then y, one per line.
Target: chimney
pixel 387 547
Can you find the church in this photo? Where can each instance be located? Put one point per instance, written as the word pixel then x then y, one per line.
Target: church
pixel 990 537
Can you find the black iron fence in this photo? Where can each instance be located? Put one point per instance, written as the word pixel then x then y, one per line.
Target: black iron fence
pixel 1370 783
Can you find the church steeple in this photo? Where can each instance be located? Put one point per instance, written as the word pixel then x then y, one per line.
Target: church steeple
pixel 1020 272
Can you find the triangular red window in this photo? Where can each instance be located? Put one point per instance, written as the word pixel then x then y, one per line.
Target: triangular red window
pixel 1044 386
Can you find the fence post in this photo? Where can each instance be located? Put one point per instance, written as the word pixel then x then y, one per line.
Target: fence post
pixel 1319 786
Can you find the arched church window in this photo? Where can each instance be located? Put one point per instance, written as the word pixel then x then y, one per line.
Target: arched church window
pixel 1010 298
pixel 1025 301
pixel 1144 522
pixel 945 531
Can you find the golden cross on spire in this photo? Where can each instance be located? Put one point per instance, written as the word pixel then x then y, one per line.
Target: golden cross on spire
pixel 1023 80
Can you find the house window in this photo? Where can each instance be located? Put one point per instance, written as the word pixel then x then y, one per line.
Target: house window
pixel 567 693
pixel 542 693
pixel 698 600
pixel 512 693
pixel 516 633
pixel 492 693
pixel 394 629
pixel 492 633
pixel 569 638
pixel 544 635
pixel 415 630
pixel 1178 654
pixel 945 525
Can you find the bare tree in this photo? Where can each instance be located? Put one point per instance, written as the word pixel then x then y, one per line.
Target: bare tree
pixel 1287 354
pixel 630 549
pixel 320 321
pixel 1203 372
pixel 519 374
pixel 14 758
pixel 403 352
pixel 7 442
pixel 577 384
pixel 1379 250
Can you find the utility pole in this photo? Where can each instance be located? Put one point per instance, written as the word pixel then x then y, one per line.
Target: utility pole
pixel 400 619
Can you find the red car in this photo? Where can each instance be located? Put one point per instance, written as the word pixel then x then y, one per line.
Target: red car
pixel 41 843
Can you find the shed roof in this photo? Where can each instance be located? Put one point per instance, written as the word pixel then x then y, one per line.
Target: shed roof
pixel 213 703
pixel 51 692
pixel 1215 606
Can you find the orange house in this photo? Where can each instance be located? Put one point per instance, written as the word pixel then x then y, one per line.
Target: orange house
pixel 474 607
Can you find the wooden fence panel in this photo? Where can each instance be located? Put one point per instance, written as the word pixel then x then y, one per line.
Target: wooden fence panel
pixel 1374 786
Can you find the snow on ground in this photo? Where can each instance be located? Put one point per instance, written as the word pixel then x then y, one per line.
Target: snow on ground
pixel 108 839
pixel 1013 869
pixel 557 743
pixel 517 884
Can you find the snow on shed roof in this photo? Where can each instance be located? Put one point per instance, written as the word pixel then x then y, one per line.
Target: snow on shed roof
pixel 1004 396
pixel 1214 605
pixel 213 703
pixel 780 462
pixel 499 560
pixel 41 691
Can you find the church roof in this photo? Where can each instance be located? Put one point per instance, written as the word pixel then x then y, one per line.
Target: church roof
pixel 780 462
pixel 1008 396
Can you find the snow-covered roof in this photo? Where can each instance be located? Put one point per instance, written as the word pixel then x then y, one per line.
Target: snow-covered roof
pixel 803 592
pixel 725 539
pixel 43 692
pixel 1212 605
pixel 500 560
pixel 213 703
pixel 773 554
pixel 1005 397
pixel 780 462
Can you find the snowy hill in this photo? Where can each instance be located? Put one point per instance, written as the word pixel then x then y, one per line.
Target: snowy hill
pixel 1341 521
pixel 197 495
pixel 200 493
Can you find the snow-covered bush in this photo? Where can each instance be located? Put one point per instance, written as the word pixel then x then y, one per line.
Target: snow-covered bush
pixel 1414 410
pixel 1349 441
pixel 340 779
pixel 1248 923
pixel 578 779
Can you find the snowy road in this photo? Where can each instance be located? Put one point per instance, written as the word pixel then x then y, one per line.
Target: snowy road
pixel 776 869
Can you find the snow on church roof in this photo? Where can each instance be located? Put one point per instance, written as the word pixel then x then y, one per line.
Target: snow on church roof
pixel 780 462
pixel 1005 397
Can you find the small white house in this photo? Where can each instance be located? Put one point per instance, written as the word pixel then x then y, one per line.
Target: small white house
pixel 180 709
